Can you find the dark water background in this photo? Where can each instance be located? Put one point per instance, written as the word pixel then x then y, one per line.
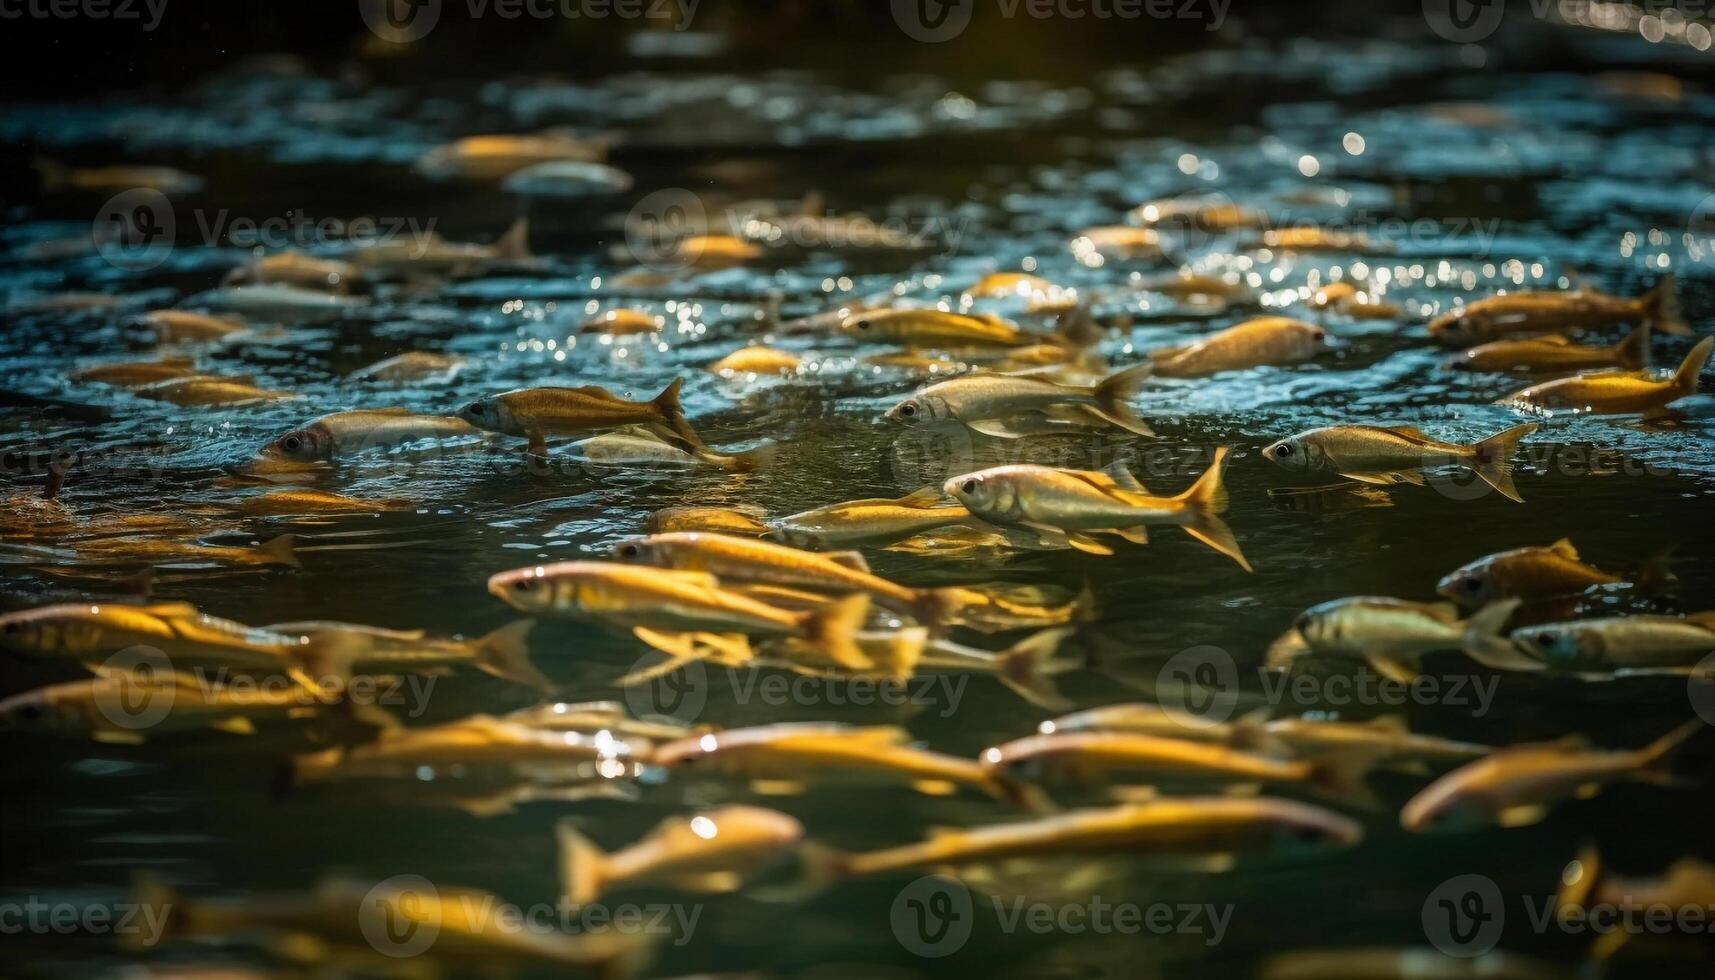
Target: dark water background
pixel 1014 137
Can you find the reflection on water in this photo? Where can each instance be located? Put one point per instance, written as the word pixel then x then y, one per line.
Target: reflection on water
pixel 1440 182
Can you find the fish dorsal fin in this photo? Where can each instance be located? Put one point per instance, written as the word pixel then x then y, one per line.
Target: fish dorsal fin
pixel 923 499
pixel 1123 478
pixel 1389 723
pixel 1564 549
pixel 169 609
pixel 1410 432
pixel 848 559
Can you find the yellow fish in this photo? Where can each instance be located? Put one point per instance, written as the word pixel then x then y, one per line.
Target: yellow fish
pixel 1372 454
pixel 1616 392
pixel 1535 312
pixel 711 852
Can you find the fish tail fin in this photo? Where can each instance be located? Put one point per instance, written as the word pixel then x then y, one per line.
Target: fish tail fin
pixel 583 865
pixel 748 461
pixel 832 629
pixel 1661 308
pixel 1486 642
pixel 1204 502
pixel 1633 352
pixel 58 467
pixel 1658 755
pixel 820 867
pixel 1493 459
pixel 1655 575
pixel 54 175
pixel 1028 666
pixel 672 413
pixel 939 609
pixel 505 653
pixel 160 902
pixel 515 243
pixel 280 550
pixel 1113 392
pixel 1685 377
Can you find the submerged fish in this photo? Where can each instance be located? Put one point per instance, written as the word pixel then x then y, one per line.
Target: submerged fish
pixel 936 329
pixel 1515 786
pixel 503 653
pixel 987 403
pixel 492 157
pixel 127 548
pixel 1092 245
pixel 1619 643
pixel 1070 505
pixel 1554 352
pixel 623 322
pixel 1532 312
pixel 282 503
pixel 1266 341
pixel 536 413
pixel 432 255
pixel 872 521
pixel 412 366
pixel 654 604
pixel 1392 634
pixel 184 326
pixel 206 389
pixel 710 852
pixel 298 269
pixel 278 301
pixel 93 633
pixel 744 520
pixel 1616 392
pixel 1587 885
pixel 477 747
pixel 112 707
pixel 567 179
pixel 637 447
pixel 598 716
pixel 345 434
pixel 131 374
pixel 756 359
pixel 114 179
pixel 1208 832
pixel 781 758
pixel 1534 573
pixel 1373 454
pixel 1345 297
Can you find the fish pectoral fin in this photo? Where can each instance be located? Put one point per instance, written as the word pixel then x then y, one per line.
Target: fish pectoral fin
pixel 1085 543
pixel 1048 536
pixel 1521 816
pixel 848 559
pixel 996 428
pixel 648 674
pixel 1375 479
pixel 1413 477
pixel 723 648
pixel 1587 791
pixel 712 882
pixel 234 726
pixel 1136 535
pixel 1393 669
pixel 923 499
pixel 935 787
pixel 776 787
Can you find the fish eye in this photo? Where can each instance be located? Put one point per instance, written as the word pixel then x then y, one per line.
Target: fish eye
pixel 969 486
pixel 292 444
pixel 628 551
pixel 908 409
pixel 29 712
pixel 1471 585
pixel 1321 336
pixel 474 408
pixel 9 628
pixel 524 584
pixel 1302 623
pixel 862 324
pixel 1283 450
pixel 1545 639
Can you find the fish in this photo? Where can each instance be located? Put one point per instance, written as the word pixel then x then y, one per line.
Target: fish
pixel 750 560
pixel 298 269
pixel 654 604
pixel 871 521
pixel 623 322
pixel 1555 353
pixel 184 326
pixel 287 503
pixel 1537 312
pixel 1587 884
pixel 756 359
pixel 493 157
pixel 198 390
pixel 1083 757
pixel 1003 284
pixel 93 633
pixel 335 925
pixel 127 549
pixel 536 413
pixel 1346 298
pixel 278 301
pixel 1615 392
pixel 1516 786
pixel 1071 505
pixel 432 255
pixel 712 252
pixel 1093 245
pixel 112 708
pixel 1027 668
pixel 987 402
pixel 1619 643
pixel 346 434
pixel 414 365
pixel 476 747
pixel 596 716
pixel 937 329
pixel 1313 238
pixel 743 520
pixel 113 179
pixel 1208 212
pixel 1391 634
pixel 1207 833
pixel 370 650
pixel 1198 288
pixel 1378 455
pixel 1270 341
pixel 710 852
pixel 782 758
pixel 131 374
pixel 1538 572
pixel 632 447
pixel 567 179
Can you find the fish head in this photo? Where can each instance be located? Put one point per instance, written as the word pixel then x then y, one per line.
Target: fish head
pixel 530 589
pixel 864 325
pixel 1455 329
pixel 306 445
pixel 1296 453
pixel 641 551
pixel 983 492
pixel 1559 644
pixel 1301 825
pixel 685 752
pixel 35 711
pixel 487 413
pixel 1472 586
pixel 1446 804
pixel 40 631
pixel 920 408
pixel 795 537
